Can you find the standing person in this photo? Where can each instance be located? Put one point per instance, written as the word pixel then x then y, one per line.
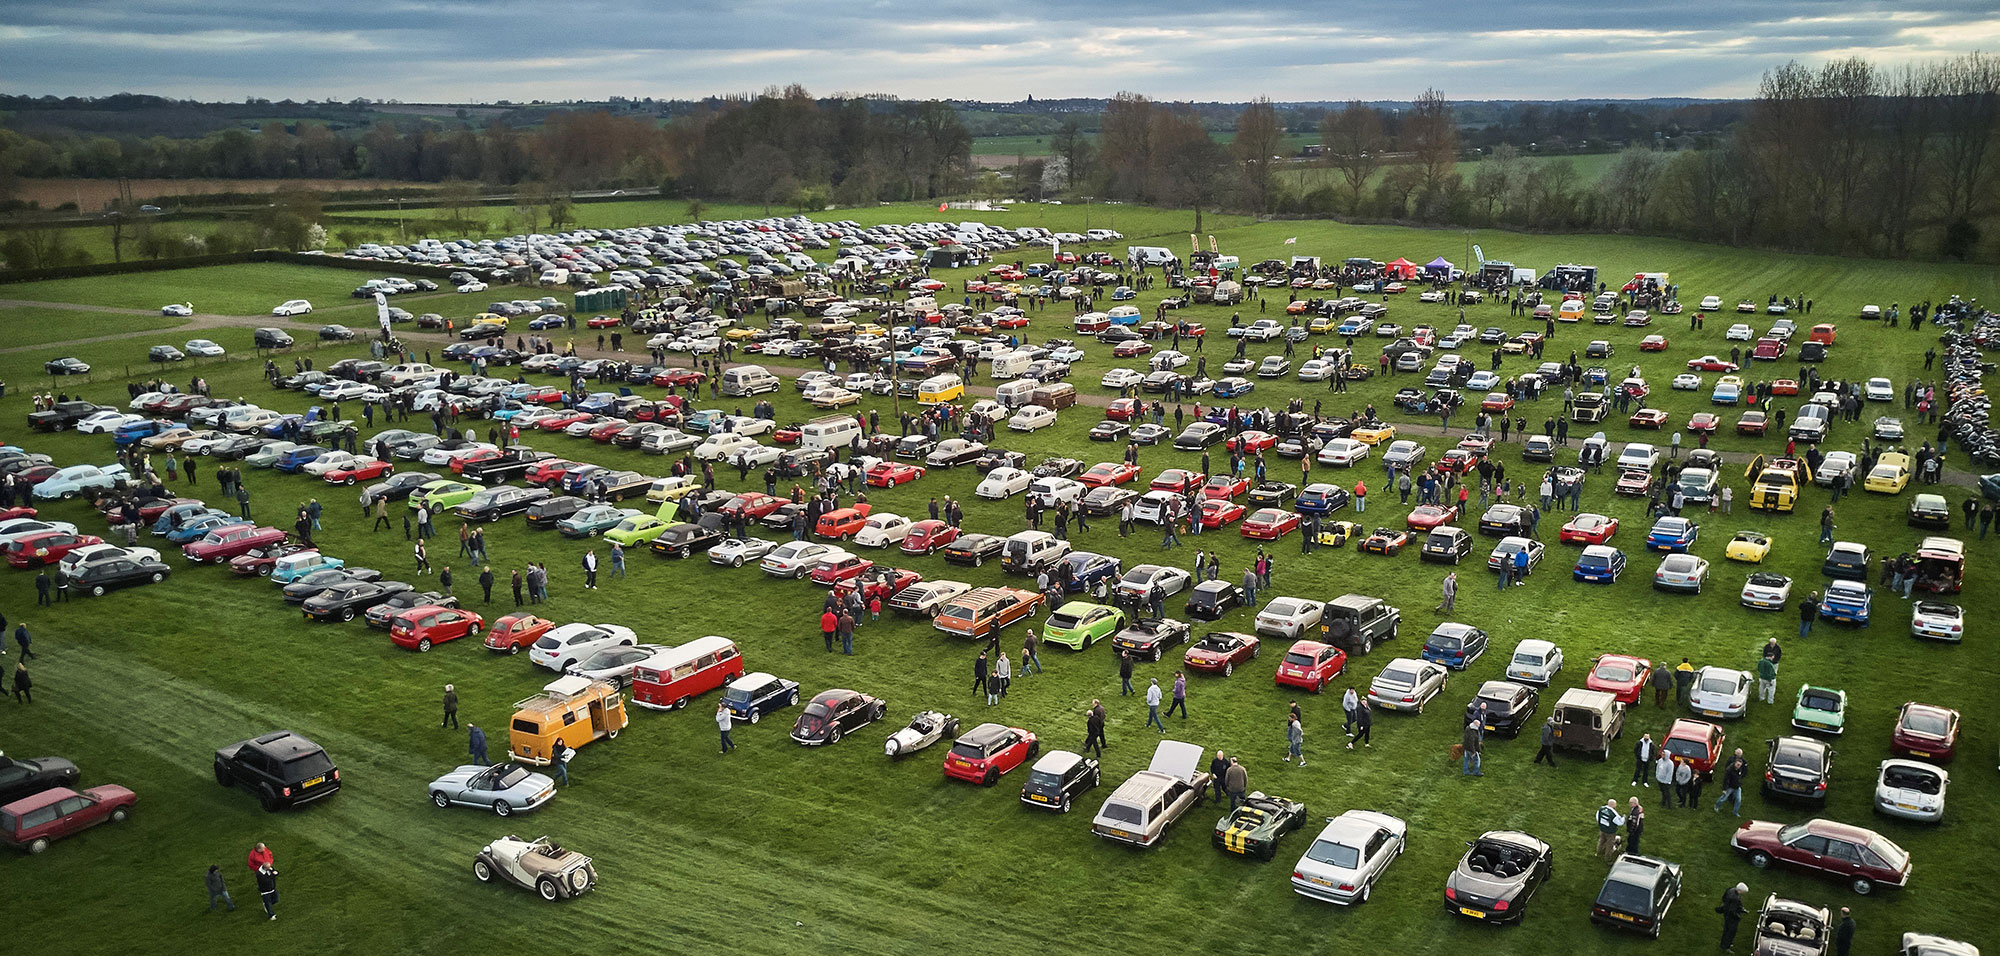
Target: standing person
pixel 1548 751
pixel 486 582
pixel 450 708
pixel 1843 936
pixel 1124 673
pixel 1153 696
pixel 1363 720
pixel 1475 738
pixel 1635 825
pixel 422 557
pixel 1236 782
pixel 723 722
pixel 1732 783
pixel 22 638
pixel 978 669
pixel 1349 703
pixel 1663 774
pixel 1683 680
pixel 1732 914
pixel 217 890
pixel 267 888
pixel 1608 822
pixel 444 581
pixel 1450 590
pixel 846 628
pixel 559 757
pixel 829 625
pixel 1093 724
pixel 1767 680
pixel 1808 610
pixel 476 746
pixel 1663 684
pixel 1004 669
pixel 516 582
pixel 1684 782
pixel 993 689
pixel 1643 753
pixel 24 685
pixel 1295 736
pixel 1180 695
pixel 590 570
pixel 1031 661
pixel 260 856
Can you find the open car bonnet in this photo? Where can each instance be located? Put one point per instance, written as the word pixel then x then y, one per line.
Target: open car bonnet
pixel 1176 759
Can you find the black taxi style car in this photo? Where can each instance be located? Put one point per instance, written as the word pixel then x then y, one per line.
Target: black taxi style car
pixel 1637 894
pixel 1500 872
pixel 834 714
pixel 974 549
pixel 1057 779
pixel 549 512
pixel 381 615
pixel 282 768
pixel 1210 600
pixel 496 503
pixel 1446 545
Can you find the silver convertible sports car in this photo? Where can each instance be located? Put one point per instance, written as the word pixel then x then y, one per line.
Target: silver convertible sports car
pixel 552 872
pixel 506 789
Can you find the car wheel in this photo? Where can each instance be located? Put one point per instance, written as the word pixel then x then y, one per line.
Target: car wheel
pixel 793 699
pixel 992 777
pixel 347 614
pixel 269 801
pixel 98 590
pixel 1064 806
pixel 513 649
pixel 756 715
pixel 424 645
pixel 1228 668
pixel 438 798
pixel 834 736
pixel 1862 885
pixel 1363 898
pixel 978 560
pixel 1760 859
pixel 736 562
pixel 503 808
pixel 882 710
pixel 546 887
pixel 38 845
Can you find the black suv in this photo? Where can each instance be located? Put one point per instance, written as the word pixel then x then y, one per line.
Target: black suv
pixel 1356 622
pixel 282 768
pixel 271 339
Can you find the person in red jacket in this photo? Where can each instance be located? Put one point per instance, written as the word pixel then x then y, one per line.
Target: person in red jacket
pixel 1360 497
pixel 829 622
pixel 261 856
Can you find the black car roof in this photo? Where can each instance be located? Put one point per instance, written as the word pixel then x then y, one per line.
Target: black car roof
pixel 284 745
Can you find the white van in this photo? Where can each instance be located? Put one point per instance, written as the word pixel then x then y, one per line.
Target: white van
pixel 1149 255
pixel 833 431
pixel 555 277
pixel 745 380
pixel 1016 393
pixel 1011 364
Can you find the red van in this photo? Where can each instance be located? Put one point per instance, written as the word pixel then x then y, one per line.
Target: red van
pixel 669 679
pixel 30 823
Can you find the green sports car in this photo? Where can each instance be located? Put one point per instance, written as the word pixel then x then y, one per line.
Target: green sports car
pixel 1254 828
pixel 1820 710
pixel 636 530
pixel 1078 624
pixel 595 520
pixel 442 495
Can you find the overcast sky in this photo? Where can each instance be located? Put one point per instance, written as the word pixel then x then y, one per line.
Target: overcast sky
pixel 483 50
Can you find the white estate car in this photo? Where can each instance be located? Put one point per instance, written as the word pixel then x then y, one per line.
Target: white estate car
pixel 882 530
pixel 1349 855
pixel 1535 661
pixel 1289 617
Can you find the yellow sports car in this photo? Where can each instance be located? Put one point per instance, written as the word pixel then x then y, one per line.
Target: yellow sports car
pixel 1320 325
pixel 1891 474
pixel 870 328
pixel 741 333
pixel 1748 546
pixel 1335 534
pixel 1373 433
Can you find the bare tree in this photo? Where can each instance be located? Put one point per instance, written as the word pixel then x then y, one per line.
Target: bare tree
pixel 1259 136
pixel 1432 134
pixel 1968 123
pixel 1353 142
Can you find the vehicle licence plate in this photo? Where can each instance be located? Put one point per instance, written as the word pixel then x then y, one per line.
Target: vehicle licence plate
pixel 314 782
pixel 1038 798
pixel 1920 753
pixel 1625 917
pixel 1907 806
pixel 1712 713
pixel 1475 914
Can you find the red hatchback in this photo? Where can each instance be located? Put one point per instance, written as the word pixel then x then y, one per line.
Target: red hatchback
pixel 547 473
pixel 1925 730
pixel 842 523
pixel 420 627
pixel 1310 665
pixel 1696 741
pixel 516 631
pixel 1270 524
pixel 1124 409
pixel 927 536
pixel 1621 675
pixel 981 755
pixel 45 548
pixel 32 823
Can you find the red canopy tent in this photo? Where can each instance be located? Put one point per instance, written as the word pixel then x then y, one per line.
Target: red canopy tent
pixel 1401 269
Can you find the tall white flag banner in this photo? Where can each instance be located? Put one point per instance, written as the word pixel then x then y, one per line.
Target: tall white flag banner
pixel 1293 241
pixel 382 310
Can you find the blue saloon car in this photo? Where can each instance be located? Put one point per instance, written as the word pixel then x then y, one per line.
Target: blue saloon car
pixel 1455 645
pixel 1847 601
pixel 1321 499
pixel 1672 535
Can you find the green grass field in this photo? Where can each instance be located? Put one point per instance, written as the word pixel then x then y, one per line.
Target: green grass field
pixel 35 326
pixel 781 847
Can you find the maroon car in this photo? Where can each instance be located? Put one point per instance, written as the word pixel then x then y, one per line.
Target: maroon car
pixel 1859 856
pixel 230 541
pixel 31 823
pixel 259 561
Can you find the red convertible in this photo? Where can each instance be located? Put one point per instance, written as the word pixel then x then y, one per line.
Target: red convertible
pixel 1107 473
pixel 368 470
pixel 1221 651
pixel 889 474
pixel 1588 528
pixel 1460 461
pixel 1429 517
pixel 679 377
pixel 1620 675
pixel 842 523
pixel 542 395
pixel 927 536
pixel 1177 480
pixel 603 322
pixel 1648 418
pixel 1217 512
pixel 1270 524
pixel 1224 486
pixel 1251 442
pixel 1011 322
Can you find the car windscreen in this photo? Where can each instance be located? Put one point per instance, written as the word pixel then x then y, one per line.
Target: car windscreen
pixel 1926 723
pixel 1617 673
pixel 1593 561
pixel 1796 758
pixel 1334 854
pixel 307 766
pixel 1719 685
pixel 1443 642
pixel 1042 779
pixel 1619 896
pixel 1690 749
pixel 1297 659
pixel 1060 620
pixel 1818 701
